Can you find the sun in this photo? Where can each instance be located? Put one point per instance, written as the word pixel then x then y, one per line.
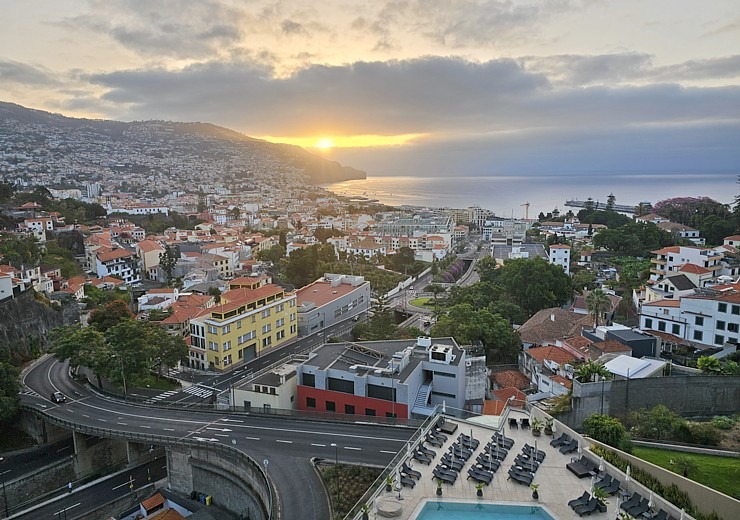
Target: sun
pixel 324 143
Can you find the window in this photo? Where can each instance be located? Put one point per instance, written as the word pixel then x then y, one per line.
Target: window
pixel 266 342
pixel 292 316
pixel 226 329
pixel 266 328
pixel 309 380
pixel 247 405
pixel 443 394
pixel 661 326
pixel 227 345
pixel 675 329
pixel 279 334
pixel 370 412
pixel 732 327
pixel 310 402
pixel 227 360
pixel 720 325
pixel 279 308
pixel 331 406
pixel 280 322
pixel 239 324
pixel 349 409
pixel 722 307
pixel 699 321
pixel 719 340
pixel 292 329
pixel 212 329
pixel 648 323
pixel 698 335
pixel 213 345
pixel 736 309
pixel 389 414
pixel 266 313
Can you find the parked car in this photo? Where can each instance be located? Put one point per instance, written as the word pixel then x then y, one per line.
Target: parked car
pixel 58 397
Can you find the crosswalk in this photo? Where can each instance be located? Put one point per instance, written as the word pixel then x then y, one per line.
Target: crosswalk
pixel 199 391
pixel 163 395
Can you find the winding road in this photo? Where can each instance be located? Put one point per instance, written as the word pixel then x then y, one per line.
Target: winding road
pixel 287 443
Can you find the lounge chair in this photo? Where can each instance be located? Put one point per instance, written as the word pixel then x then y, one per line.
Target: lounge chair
pixel 583 499
pixel 433 441
pixel 588 508
pixel 461 451
pixel 559 441
pixel 488 462
pixel 456 464
pixel 444 477
pixel 530 449
pixel 480 476
pixel 468 442
pixel 446 471
pixel 522 471
pixel 496 451
pixel 513 423
pixel 661 515
pixel 613 487
pixel 582 467
pixel 525 423
pixel 526 462
pixel 437 435
pixel 520 478
pixel 426 451
pixel 633 501
pixel 410 472
pixel 605 481
pixel 407 482
pixel 570 447
pixel 639 509
pixel 502 440
pixel 419 456
pixel 445 426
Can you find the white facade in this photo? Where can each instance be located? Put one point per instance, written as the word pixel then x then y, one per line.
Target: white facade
pixel 560 255
pixel 671 259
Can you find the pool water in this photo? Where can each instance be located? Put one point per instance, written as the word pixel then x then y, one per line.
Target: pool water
pixel 479 511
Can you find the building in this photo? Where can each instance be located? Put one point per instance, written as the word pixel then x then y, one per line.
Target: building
pixel 602 341
pixel 277 388
pixel 560 255
pixel 418 224
pixel 249 320
pixel 671 259
pixel 118 262
pixel 329 300
pixel 149 252
pixel 398 378
pixel 549 326
pixel 550 368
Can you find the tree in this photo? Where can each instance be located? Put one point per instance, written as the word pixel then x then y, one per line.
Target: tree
pixel 708 364
pixel 606 429
pixel 587 372
pixel 168 260
pixel 19 250
pixel 133 347
pixel 402 260
pixel 633 239
pixel 322 234
pixel 308 264
pixel 597 303
pixel 81 345
pixel 9 392
pixel 109 316
pixel 216 293
pixel 533 284
pixel 272 255
pixel 658 423
pixel 686 465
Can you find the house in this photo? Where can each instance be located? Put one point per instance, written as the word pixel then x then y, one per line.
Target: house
pixel 580 306
pixel 627 367
pixel 186 307
pixel 733 240
pixel 682 232
pixel 395 378
pixel 276 389
pixel 117 262
pixel 560 255
pixel 149 252
pixel 541 364
pixel 549 326
pixel 641 344
pixel 672 287
pixel 670 259
pixel 510 379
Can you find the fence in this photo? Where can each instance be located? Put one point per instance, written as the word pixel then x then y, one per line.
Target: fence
pixel 264 492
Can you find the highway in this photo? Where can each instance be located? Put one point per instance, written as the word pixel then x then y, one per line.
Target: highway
pixel 288 443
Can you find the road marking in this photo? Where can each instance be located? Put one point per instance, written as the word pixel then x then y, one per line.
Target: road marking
pixel 85 415
pixel 319 445
pixel 65 448
pixel 284 442
pixel 143 426
pixel 351 448
pixel 386 451
pixel 102 420
pixel 230 420
pixel 58 513
pixel 122 423
pixel 127 483
pixel 169 429
pixel 252 438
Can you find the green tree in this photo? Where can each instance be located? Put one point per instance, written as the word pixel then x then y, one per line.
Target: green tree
pixel 534 284
pixel 133 348
pixel 323 234
pixel 583 279
pixel 658 423
pixel 9 392
pixel 19 250
pixel 6 191
pixel 598 303
pixel 402 261
pixel 168 260
pixel 273 255
pixel 308 264
pixel 714 229
pixel 588 371
pixel 112 314
pixel 81 345
pixel 633 239
pixel 606 429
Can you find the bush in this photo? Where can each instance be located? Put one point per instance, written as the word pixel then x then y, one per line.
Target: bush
pixel 723 422
pixel 606 429
pixel 704 433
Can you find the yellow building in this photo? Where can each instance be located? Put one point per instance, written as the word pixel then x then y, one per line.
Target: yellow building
pixel 253 317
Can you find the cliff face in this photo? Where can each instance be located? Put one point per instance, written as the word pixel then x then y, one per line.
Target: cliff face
pixel 25 322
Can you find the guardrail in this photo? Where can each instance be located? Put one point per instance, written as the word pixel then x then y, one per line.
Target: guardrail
pixel 270 505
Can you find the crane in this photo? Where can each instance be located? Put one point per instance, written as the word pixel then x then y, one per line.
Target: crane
pixel 526 210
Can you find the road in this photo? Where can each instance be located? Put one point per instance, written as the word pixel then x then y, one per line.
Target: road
pixel 289 442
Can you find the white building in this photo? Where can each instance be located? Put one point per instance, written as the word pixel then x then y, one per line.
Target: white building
pixel 670 260
pixel 560 255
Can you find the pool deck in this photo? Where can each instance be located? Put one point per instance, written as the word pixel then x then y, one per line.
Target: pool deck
pixel 557 484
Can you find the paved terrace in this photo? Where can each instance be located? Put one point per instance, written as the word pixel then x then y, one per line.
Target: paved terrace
pixel 557 485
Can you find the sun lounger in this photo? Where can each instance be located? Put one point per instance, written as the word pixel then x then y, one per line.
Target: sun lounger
pixel 522 471
pixel 480 476
pixel 419 456
pixel 530 449
pixel 605 481
pixel 570 447
pixel 612 488
pixel 497 451
pixel 426 451
pixel 410 472
pixel 488 462
pixel 518 477
pixel 525 423
pixel 433 441
pixel 506 442
pixel 583 499
pixel 661 515
pixel 437 435
pixel 588 508
pixel 559 441
pixel 526 462
pixel 639 509
pixel 407 482
pixel 468 442
pixel 633 501
pixel 582 467
pixel 443 477
pixel 445 471
pixel 456 464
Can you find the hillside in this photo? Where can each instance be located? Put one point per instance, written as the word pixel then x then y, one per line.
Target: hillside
pixel 145 144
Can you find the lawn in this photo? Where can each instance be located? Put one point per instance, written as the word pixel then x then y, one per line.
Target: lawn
pixel 720 473
pixel 422 302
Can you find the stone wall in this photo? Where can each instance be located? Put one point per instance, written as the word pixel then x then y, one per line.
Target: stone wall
pixel 37 483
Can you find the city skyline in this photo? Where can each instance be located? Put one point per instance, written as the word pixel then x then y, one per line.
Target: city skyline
pixel 473 87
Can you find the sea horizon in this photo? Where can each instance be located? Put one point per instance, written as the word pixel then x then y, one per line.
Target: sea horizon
pixel 505 194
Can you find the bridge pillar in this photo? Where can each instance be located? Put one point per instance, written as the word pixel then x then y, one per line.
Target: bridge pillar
pixel 137 452
pixel 95 453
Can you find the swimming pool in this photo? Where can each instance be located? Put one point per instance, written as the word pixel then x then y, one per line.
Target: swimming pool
pixel 480 511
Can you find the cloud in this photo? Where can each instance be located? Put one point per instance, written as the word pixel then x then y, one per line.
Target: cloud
pixel 13 72
pixel 291 27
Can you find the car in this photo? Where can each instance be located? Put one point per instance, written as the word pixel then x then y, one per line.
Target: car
pixel 58 397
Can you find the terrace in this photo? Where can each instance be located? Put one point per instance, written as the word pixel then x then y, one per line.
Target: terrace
pixel 557 484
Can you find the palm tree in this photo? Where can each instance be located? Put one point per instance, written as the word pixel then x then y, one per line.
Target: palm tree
pixel 597 303
pixel 685 465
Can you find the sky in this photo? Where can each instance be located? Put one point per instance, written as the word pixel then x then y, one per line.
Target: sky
pixel 407 87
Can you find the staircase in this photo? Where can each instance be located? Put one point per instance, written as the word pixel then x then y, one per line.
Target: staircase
pixel 422 398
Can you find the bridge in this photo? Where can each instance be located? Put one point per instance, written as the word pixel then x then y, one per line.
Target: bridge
pixel 216 452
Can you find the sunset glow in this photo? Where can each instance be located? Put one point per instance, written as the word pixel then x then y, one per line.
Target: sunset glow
pixel 348 141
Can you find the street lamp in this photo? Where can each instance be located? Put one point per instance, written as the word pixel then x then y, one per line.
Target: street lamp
pixel 5 496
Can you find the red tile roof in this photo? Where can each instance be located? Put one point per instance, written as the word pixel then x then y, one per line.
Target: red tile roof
pixel 663 303
pixel 610 346
pixel 693 268
pixel 556 354
pixel 491 407
pixel 506 393
pixel 510 378
pixel 152 502
pixel 567 383
pixel 114 254
pixel 666 250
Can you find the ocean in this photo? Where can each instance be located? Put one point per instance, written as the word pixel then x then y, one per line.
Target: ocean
pixel 506 194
